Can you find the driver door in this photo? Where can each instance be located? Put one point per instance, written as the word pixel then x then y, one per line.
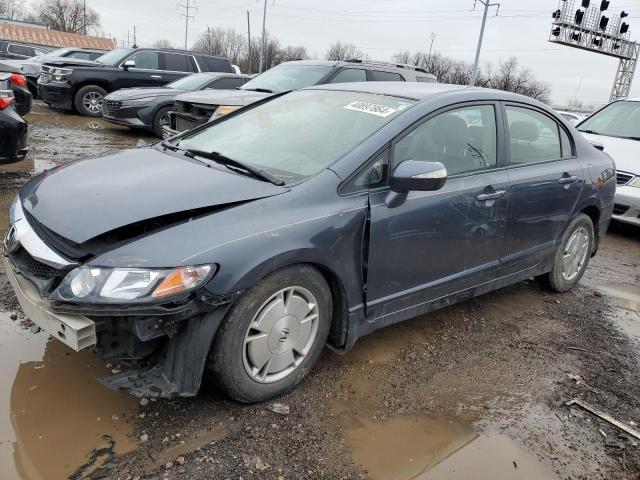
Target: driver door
pixel 441 242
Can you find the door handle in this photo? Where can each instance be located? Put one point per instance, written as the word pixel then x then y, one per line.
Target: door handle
pixel 484 197
pixel 159 77
pixel 567 180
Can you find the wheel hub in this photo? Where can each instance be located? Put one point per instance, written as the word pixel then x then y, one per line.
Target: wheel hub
pixel 575 254
pixel 284 334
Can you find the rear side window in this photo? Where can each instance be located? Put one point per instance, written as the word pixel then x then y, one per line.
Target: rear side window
pixel 21 50
pixel 212 64
pixel 3 46
pixel 94 55
pixel 533 136
pixel 378 76
pixel 226 83
pixel 178 63
pixel 350 75
pixel 147 60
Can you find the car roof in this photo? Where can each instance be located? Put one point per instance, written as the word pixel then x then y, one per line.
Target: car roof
pixel 421 91
pixel 363 63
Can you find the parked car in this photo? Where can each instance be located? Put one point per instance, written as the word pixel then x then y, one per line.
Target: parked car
pixel 23 100
pixel 13 129
pixel 617 127
pixel 30 67
pixel 21 51
pixel 314 217
pixel 573 117
pixel 149 107
pixel 193 109
pixel 80 85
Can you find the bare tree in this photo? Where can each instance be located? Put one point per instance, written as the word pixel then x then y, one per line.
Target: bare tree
pixel 224 42
pixel 162 43
pixel 12 9
pixel 343 51
pixel 67 16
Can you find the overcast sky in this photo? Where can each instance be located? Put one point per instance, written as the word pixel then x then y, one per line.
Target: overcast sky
pixel 382 27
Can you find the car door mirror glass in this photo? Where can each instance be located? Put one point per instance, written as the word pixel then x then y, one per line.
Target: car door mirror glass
pixel 415 175
pixel 129 64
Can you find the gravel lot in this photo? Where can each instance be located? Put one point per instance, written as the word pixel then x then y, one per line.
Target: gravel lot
pixel 477 390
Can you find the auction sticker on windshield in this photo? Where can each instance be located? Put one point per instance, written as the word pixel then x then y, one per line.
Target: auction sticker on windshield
pixel 372 108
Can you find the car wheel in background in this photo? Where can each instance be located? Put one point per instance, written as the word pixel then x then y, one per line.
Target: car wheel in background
pixel 272 335
pixel 572 257
pixel 88 100
pixel 160 119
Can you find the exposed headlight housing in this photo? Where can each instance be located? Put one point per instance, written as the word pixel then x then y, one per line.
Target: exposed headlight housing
pixel 138 101
pixel 60 74
pixel 635 182
pixel 129 285
pixel 223 110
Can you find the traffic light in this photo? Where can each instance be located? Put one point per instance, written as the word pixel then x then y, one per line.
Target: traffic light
pixel 604 5
pixel 586 3
pixel 556 14
pixel 579 17
pixel 624 28
pixel 556 32
pixel 604 21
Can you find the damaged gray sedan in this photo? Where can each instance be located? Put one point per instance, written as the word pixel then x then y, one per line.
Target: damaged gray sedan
pixel 308 219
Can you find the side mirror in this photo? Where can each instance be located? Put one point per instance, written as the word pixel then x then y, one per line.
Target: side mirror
pixel 129 64
pixel 414 175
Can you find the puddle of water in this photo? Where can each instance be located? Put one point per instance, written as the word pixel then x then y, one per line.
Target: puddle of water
pixel 53 410
pixel 412 448
pixel 627 298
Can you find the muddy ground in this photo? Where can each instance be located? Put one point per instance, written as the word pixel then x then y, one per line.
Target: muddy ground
pixel 477 390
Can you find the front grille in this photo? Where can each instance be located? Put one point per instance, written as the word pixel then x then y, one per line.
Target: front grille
pixel 620 209
pixel 110 107
pixel 31 267
pixel 623 178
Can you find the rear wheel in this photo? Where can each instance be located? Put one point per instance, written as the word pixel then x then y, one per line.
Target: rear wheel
pixel 572 257
pixel 160 119
pixel 272 335
pixel 88 100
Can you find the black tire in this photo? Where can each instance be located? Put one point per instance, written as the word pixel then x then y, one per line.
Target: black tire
pixel 555 279
pixel 155 124
pixel 79 100
pixel 228 355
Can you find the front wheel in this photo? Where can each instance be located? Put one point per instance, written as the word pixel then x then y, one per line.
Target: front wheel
pixel 272 335
pixel 572 257
pixel 88 100
pixel 161 119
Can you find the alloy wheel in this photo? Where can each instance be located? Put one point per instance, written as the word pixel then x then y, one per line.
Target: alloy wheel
pixel 92 101
pixel 575 254
pixel 280 335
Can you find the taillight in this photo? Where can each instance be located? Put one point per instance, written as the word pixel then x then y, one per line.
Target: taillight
pixel 6 98
pixel 18 79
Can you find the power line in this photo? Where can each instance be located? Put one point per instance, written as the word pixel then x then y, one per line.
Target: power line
pixel 187 16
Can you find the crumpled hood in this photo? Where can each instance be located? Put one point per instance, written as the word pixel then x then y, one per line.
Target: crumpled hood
pixel 626 153
pixel 84 199
pixel 132 93
pixel 74 62
pixel 223 97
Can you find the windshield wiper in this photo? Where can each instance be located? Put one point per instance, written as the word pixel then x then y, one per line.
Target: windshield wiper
pixel 170 146
pixel 592 132
pixel 261 90
pixel 230 162
pixel 632 138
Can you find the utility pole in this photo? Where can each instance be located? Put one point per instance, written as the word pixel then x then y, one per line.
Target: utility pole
pixel 433 37
pixel 135 43
pixel 486 4
pixel 188 7
pixel 249 44
pixel 264 39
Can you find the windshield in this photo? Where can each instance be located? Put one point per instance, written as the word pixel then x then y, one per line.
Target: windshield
pixel 288 77
pixel 114 57
pixel 192 82
pixel 299 134
pixel 618 119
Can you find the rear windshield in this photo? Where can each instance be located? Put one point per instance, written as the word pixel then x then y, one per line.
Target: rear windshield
pixel 618 119
pixel 288 77
pixel 299 134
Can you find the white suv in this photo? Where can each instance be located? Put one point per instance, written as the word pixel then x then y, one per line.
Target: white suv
pixel 617 127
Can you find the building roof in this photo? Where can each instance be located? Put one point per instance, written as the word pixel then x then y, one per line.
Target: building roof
pixel 52 38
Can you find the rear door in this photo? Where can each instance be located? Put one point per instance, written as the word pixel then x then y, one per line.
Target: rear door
pixel 546 182
pixel 438 243
pixel 176 65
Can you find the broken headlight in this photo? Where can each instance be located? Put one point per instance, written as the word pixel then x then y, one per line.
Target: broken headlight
pixel 115 285
pixel 60 74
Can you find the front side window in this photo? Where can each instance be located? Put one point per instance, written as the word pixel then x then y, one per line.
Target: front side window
pixel 299 134
pixel 288 77
pixel 374 175
pixel 463 140
pixel 533 136
pixel 618 119
pixel 146 59
pixel 350 75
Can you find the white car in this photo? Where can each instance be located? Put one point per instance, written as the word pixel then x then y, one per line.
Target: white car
pixel 617 127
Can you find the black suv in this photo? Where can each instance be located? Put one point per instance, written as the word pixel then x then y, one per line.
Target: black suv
pixel 70 84
pixel 20 51
pixel 195 108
